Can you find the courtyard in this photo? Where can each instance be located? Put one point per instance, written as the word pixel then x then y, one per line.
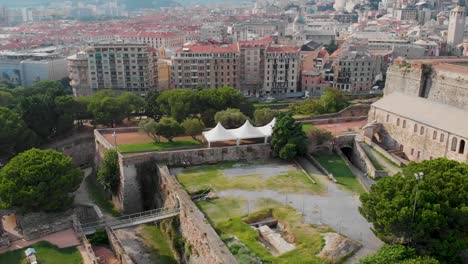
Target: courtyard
pixel 306 204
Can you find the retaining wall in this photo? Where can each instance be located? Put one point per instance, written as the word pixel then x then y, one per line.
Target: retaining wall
pixel 362 161
pixel 80 147
pixel 385 153
pixel 118 248
pixel 206 246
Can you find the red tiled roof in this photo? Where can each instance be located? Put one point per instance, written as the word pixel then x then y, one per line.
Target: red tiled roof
pixel 253 43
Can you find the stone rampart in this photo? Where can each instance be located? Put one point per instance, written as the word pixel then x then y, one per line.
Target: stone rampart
pixel 205 244
pixel 362 161
pixel 80 147
pixel 118 248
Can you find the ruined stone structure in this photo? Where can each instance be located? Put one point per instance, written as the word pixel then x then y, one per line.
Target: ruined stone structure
pixel 423 111
pixel 443 80
pixel 80 147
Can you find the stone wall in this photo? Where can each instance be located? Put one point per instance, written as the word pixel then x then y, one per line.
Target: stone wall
pixel 385 153
pixel 415 145
pixel 206 246
pixel 36 225
pixel 118 248
pixel 129 198
pixel 350 113
pixel 79 146
pixel 362 161
pixel 436 81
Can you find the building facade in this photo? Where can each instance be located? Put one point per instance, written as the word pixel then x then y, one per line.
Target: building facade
pixel 456 27
pixel 258 29
pixel 123 67
pixel 281 70
pixel 78 74
pixel 203 66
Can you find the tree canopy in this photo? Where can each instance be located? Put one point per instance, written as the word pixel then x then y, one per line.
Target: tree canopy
pixel 193 127
pixel 263 116
pixel 332 101
pixel 14 135
pixel 39 180
pixel 231 118
pixel 106 108
pixel 109 175
pixel 439 226
pixel 288 139
pixel 397 254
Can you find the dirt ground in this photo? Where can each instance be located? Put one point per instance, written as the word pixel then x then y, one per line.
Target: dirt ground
pixel 341 128
pixel 62 239
pixel 105 255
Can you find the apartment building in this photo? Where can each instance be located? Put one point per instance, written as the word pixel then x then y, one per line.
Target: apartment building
pixel 123 67
pixel 156 40
pixel 281 70
pixel 252 65
pixel 356 70
pixel 201 66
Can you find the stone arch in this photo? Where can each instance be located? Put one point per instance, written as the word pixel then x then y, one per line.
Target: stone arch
pixel 347 151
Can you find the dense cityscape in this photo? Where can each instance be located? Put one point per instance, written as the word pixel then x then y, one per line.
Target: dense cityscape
pixel 219 132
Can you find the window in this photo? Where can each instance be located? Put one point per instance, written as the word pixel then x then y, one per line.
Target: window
pixel 434 135
pixel 388 118
pixel 419 154
pixel 398 122
pixel 412 152
pixel 415 128
pixel 404 124
pixel 421 131
pixel 461 148
pixel 454 144
pixel 441 137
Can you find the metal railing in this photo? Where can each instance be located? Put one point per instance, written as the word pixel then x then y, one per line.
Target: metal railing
pixel 127 219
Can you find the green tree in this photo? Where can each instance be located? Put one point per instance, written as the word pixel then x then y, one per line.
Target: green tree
pixel 333 100
pixel 39 114
pixel 438 223
pixel 263 116
pixel 288 139
pixel 132 103
pixel 193 127
pixel 39 180
pixel 66 108
pixel 231 118
pixel 150 127
pixel 178 104
pixel 318 136
pixel 15 136
pixel 6 98
pixel 109 175
pixel 106 108
pixel 82 113
pixel 151 106
pixel 168 127
pixel 397 254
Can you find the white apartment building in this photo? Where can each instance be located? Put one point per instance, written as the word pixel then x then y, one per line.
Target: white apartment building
pixel 281 70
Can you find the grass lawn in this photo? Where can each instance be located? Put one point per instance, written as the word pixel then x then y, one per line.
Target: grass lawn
pixel 302 116
pixel 307 239
pixel 335 165
pixel 154 239
pixel 294 181
pixel 99 196
pixel 157 145
pixel 271 103
pixel 306 127
pixel 46 254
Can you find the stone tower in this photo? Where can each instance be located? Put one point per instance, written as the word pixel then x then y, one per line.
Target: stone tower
pixel 456 27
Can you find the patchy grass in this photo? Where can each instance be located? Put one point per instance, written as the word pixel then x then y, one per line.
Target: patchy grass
pixel 294 181
pixel 220 210
pixel 297 116
pixel 307 239
pixel 46 254
pixel 370 154
pixel 307 127
pixel 149 146
pixel 342 173
pixel 99 196
pixel 154 239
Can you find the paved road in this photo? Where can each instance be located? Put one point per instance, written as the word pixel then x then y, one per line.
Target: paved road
pixel 340 211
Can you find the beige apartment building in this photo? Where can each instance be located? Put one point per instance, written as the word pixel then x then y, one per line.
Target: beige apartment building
pixel 252 65
pixel 204 66
pixel 123 67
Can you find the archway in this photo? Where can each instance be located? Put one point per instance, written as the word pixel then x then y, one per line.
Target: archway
pixel 348 152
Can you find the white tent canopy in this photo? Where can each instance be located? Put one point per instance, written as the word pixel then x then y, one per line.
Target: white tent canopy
pixel 219 133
